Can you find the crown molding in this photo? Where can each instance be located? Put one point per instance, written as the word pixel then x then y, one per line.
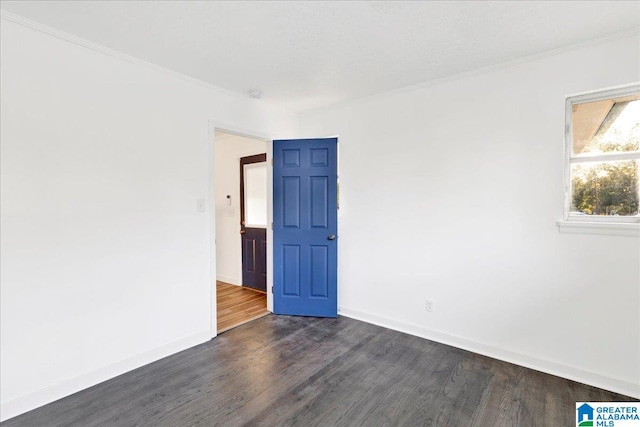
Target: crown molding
pixel 635 31
pixel 17 19
pixel 631 32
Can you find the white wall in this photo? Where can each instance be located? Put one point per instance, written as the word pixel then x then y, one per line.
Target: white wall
pixel 457 186
pixel 451 191
pixel 228 151
pixel 106 264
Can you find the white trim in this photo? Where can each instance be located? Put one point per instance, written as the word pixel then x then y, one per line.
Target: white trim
pixel 606 157
pixel 568 136
pixel 479 71
pixel 604 225
pixel 211 223
pixel 605 93
pixel 22 404
pixel 605 219
pixel 600 380
pixel 607 228
pixel 253 134
pixel 270 246
pixel 12 17
pixel 631 32
pixel 240 131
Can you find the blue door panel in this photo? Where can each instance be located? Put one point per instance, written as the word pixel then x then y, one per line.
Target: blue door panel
pixel 304 227
pixel 319 207
pixel 291 270
pixel 254 258
pixel 319 256
pixel 319 157
pixel 290 158
pixel 291 202
pixel 250 251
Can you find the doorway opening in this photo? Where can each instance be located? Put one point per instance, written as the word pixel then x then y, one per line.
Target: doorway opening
pixel 241 206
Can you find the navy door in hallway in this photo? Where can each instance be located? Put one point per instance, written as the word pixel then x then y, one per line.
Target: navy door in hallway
pixel 253 220
pixel 305 227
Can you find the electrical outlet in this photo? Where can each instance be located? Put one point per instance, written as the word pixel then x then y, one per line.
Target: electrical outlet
pixel 430 305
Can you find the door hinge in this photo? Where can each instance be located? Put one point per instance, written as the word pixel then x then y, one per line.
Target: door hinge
pixel 272 289
pixel 271 162
pixel 272 226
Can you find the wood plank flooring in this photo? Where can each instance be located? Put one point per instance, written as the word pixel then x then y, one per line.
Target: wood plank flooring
pixel 296 371
pixel 238 305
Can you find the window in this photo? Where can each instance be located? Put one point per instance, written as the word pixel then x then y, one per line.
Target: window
pixel 603 156
pixel 255 195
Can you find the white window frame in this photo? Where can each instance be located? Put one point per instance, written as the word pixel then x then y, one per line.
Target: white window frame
pixel 589 223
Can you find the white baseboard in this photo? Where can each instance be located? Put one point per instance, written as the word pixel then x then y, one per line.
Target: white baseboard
pixel 50 394
pixel 616 385
pixel 22 404
pixel 229 280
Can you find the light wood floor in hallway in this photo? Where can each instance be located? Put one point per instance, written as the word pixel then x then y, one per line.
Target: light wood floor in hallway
pixel 238 305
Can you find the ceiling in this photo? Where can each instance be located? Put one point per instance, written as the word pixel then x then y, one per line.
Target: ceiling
pixel 307 54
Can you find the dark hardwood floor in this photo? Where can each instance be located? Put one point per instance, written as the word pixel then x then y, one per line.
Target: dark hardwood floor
pixel 281 371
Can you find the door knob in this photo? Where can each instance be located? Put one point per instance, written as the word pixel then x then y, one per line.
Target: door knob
pixel 331 237
pixel 243 231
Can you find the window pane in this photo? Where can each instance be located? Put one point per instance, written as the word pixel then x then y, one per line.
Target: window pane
pixel 255 194
pixel 605 188
pixel 610 125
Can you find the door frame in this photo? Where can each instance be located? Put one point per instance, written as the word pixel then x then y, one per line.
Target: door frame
pixel 247 133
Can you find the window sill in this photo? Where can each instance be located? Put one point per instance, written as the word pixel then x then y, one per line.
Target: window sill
pixel 607 228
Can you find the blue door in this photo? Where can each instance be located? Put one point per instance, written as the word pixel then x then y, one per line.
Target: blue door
pixel 305 227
